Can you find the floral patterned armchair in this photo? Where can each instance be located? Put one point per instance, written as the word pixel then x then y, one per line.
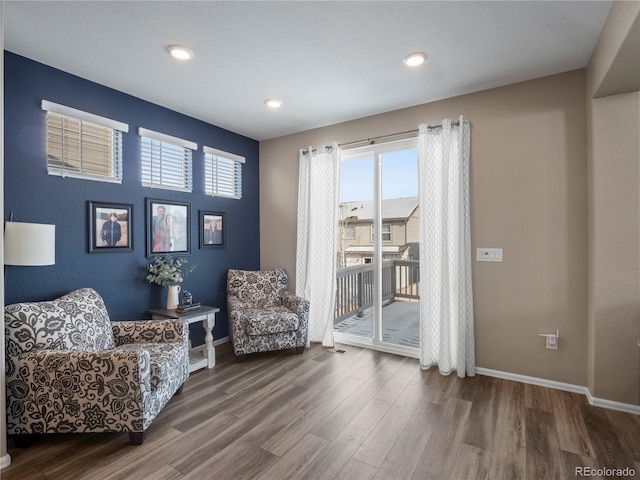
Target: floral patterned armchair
pixel 263 315
pixel 70 369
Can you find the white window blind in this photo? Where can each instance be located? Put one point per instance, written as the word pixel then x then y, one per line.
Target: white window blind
pixel 83 145
pixel 222 173
pixel 166 161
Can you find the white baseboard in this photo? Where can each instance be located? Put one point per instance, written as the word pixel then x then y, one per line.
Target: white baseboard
pixel 5 461
pixel 220 341
pixel 610 404
pixel 567 387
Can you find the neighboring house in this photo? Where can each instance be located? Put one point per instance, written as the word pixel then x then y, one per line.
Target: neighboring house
pixel 400 222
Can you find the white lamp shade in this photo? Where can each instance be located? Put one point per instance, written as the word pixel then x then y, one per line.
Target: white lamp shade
pixel 29 244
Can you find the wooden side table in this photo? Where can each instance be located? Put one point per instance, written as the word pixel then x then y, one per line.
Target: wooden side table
pixel 206 315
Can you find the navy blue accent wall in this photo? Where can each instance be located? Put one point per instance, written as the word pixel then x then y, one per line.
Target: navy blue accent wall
pixel 34 196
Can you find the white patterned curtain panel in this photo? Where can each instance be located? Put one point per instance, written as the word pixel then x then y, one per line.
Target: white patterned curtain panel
pixel 446 300
pixel 316 245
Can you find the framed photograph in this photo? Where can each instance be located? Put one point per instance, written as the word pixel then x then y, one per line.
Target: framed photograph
pixel 212 226
pixel 168 227
pixel 109 227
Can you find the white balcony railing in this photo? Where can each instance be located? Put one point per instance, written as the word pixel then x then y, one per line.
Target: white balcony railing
pixel 355 287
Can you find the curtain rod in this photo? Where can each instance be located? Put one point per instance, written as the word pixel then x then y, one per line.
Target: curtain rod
pixel 372 140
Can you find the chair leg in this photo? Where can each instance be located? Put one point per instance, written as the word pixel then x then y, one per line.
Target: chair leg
pixel 136 438
pixel 300 350
pixel 241 358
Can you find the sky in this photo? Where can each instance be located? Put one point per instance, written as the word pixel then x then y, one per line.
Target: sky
pixel 399 177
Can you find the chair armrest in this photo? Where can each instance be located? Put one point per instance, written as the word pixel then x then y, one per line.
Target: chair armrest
pixel 234 303
pixel 296 304
pixel 151 331
pixel 110 361
pixel 237 324
pixel 64 391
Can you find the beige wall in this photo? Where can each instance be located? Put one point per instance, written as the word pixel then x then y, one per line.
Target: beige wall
pixel 613 121
pixel 528 197
pixel 614 311
pixel 613 68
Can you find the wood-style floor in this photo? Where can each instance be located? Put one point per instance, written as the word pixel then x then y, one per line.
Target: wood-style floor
pixel 354 415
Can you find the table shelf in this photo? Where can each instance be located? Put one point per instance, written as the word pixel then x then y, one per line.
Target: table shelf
pixel 198 358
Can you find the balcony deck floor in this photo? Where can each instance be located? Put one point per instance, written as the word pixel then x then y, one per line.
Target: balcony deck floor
pixel 400 324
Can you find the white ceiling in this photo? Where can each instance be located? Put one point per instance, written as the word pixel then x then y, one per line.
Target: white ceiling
pixel 328 61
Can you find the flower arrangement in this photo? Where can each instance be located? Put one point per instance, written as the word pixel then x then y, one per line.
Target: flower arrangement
pixel 167 270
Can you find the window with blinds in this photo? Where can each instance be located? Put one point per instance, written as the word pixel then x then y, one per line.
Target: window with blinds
pixel 386 232
pixel 166 161
pixel 83 145
pixel 222 173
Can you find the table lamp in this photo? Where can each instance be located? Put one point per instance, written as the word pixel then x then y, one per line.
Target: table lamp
pixel 29 244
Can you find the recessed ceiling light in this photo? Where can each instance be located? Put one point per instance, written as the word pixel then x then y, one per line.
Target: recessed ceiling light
pixel 414 59
pixel 180 52
pixel 273 103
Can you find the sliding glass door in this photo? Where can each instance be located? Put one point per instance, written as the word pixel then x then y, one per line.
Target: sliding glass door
pixel 377 300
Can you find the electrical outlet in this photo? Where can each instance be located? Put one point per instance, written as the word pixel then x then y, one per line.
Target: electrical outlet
pixel 551 339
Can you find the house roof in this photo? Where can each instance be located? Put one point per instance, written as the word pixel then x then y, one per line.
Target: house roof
pixel 329 62
pixel 396 208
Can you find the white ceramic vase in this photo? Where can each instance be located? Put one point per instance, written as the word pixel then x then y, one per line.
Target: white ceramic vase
pixel 172 297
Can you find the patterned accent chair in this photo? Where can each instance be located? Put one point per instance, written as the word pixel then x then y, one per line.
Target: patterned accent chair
pixel 70 369
pixel 263 315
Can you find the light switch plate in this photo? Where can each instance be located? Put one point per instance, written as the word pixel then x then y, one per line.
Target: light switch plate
pixel 489 255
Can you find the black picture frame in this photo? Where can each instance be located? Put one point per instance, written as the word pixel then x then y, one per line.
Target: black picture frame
pixel 166 237
pixel 212 229
pixel 104 237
